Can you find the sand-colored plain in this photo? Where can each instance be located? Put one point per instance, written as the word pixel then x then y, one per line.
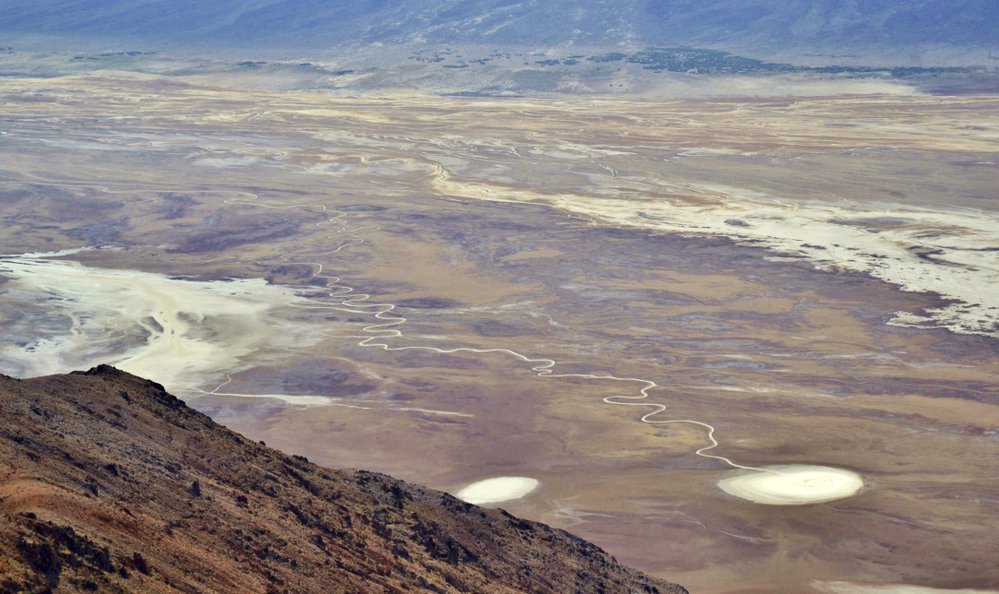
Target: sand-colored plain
pixel 477 228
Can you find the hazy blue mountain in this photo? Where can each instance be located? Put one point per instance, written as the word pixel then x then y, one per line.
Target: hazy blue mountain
pixel 746 26
pixel 888 22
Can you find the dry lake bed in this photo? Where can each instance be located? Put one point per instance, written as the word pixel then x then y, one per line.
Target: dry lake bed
pixel 572 298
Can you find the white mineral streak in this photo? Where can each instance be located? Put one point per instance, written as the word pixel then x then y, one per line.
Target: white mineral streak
pixel 950 252
pixel 176 332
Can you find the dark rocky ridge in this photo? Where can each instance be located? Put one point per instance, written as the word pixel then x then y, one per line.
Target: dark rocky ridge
pixel 108 483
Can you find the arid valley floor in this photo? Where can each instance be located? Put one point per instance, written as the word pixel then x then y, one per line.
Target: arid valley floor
pixel 322 273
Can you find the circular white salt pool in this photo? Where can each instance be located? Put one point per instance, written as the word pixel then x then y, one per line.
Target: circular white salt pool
pixel 793 484
pixel 498 489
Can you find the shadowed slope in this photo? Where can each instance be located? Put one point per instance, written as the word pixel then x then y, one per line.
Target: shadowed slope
pixel 109 483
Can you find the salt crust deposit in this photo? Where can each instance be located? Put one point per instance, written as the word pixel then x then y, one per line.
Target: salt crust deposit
pixel 948 251
pixel 496 490
pixel 856 588
pixel 793 484
pixel 180 333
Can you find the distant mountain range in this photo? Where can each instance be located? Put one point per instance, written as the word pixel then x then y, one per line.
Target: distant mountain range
pixel 838 30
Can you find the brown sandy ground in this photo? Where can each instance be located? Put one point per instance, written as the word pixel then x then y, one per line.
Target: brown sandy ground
pixel 790 364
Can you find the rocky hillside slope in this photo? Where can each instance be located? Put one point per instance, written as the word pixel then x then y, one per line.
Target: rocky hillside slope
pixel 110 484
